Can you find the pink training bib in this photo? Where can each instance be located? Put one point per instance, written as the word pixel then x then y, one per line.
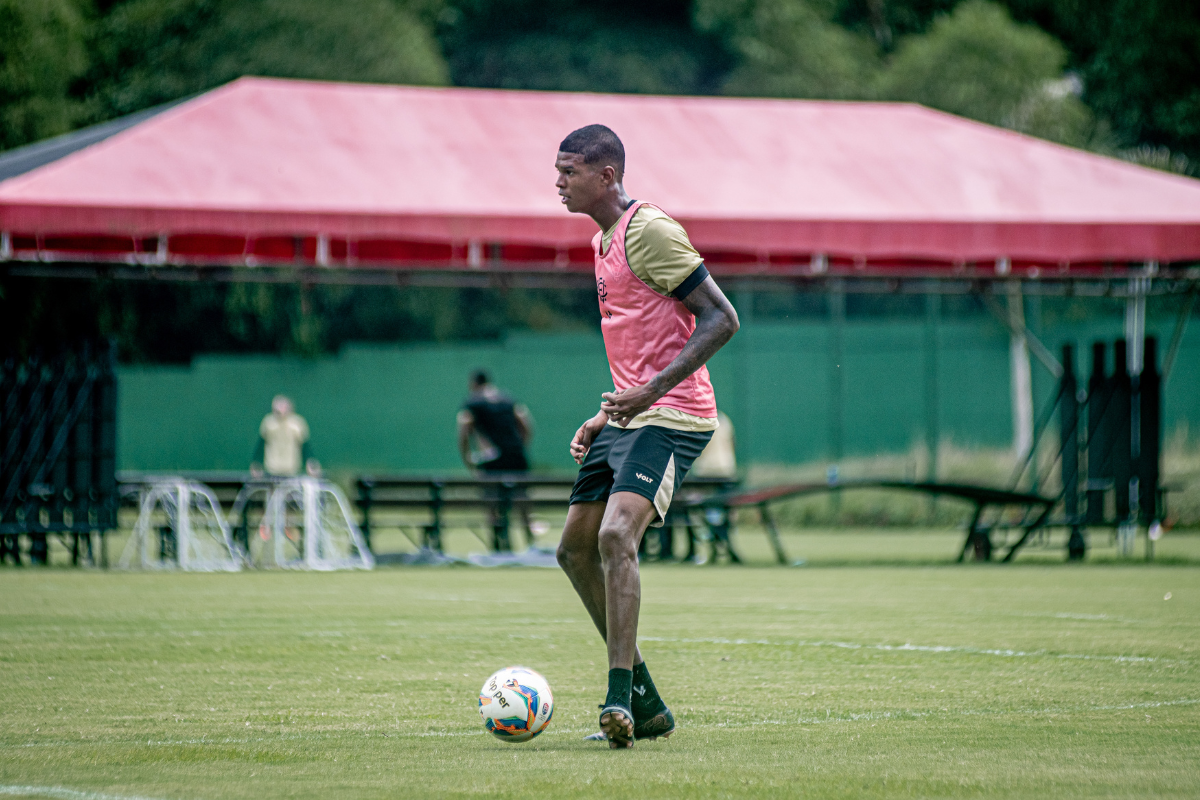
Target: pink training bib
pixel 643 330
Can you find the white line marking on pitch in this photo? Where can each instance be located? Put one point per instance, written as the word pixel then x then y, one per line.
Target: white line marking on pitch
pixel 59 793
pixel 830 716
pixel 917 648
pixel 868 716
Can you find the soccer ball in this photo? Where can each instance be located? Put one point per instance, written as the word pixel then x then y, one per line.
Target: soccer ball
pixel 516 704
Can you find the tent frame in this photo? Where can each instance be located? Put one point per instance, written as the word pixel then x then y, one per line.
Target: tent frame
pixel 1116 281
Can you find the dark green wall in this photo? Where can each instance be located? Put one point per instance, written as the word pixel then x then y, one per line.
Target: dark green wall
pixel 393 407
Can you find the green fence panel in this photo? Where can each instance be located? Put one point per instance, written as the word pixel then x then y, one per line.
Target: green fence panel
pixel 393 407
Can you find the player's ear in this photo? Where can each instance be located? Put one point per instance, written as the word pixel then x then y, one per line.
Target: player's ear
pixel 609 176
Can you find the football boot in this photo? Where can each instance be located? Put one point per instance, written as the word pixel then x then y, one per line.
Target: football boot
pixel 659 725
pixel 616 724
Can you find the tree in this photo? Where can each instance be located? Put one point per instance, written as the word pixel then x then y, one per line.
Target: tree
pixel 152 51
pixel 573 45
pixel 1139 61
pixel 1146 75
pixel 787 48
pixel 979 63
pixel 43 51
pixel 887 20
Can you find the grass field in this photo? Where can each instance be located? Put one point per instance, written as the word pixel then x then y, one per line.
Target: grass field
pixel 922 681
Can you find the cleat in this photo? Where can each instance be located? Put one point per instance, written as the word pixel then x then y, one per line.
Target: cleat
pixel 661 725
pixel 616 723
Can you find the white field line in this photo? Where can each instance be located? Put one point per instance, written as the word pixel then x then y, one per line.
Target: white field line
pixel 871 716
pixel 913 648
pixel 245 740
pixel 874 716
pixel 830 717
pixel 59 793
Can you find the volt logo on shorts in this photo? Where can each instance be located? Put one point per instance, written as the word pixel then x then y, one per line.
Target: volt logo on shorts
pixel 642 477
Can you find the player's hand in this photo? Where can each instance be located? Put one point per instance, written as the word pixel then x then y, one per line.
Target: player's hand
pixel 586 434
pixel 621 407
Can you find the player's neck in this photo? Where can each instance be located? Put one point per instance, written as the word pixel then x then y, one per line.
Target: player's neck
pixel 610 208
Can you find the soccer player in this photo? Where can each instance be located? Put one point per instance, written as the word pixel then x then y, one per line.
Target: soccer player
pixel 662 317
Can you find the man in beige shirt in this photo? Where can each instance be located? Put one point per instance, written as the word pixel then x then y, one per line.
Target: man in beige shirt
pixel 283 442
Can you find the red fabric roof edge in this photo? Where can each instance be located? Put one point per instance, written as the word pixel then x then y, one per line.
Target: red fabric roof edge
pixel 264 157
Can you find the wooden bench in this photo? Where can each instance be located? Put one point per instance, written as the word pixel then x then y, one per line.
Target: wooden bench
pixel 1037 508
pixel 498 494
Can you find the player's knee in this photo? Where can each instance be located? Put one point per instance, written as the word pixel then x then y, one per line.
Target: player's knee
pixel 565 556
pixel 617 541
pixel 570 556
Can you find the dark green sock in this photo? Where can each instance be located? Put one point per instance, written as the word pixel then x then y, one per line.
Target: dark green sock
pixel 646 702
pixel 620 683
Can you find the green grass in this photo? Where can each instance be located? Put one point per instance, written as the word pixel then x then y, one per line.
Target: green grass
pixel 924 681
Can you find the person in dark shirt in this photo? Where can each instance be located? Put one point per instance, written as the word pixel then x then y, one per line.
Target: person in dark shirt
pixel 493 430
pixel 492 434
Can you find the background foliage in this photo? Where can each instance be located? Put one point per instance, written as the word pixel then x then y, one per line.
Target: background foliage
pixel 1115 76
pixel 43 52
pixel 151 51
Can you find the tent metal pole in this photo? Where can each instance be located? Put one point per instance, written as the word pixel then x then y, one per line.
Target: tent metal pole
pixel 1021 379
pixel 1135 336
pixel 933 308
pixel 1135 317
pixel 837 383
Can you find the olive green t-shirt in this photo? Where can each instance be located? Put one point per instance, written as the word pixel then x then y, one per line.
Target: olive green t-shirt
pixel 657 249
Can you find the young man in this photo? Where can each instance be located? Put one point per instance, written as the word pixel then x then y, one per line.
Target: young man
pixel 662 317
pixel 503 428
pixel 500 430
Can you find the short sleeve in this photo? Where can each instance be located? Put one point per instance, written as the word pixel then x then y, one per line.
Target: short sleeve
pixel 665 254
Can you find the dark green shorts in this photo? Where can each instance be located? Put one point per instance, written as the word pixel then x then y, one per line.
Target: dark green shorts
pixel 650 461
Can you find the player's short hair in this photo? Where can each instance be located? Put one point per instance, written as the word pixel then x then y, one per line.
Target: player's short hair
pixel 598 145
pixel 480 377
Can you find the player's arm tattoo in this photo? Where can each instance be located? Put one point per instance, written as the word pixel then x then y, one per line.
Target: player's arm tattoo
pixel 716 323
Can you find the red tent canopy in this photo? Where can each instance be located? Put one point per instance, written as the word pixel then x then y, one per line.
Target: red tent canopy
pixel 272 170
